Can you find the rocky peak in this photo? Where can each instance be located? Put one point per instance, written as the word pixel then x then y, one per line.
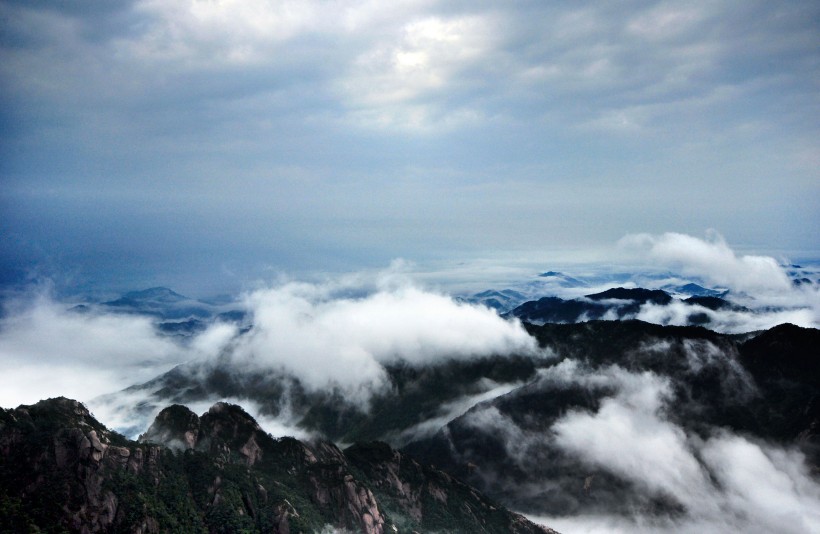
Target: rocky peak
pixel 175 427
pixel 62 470
pixel 59 413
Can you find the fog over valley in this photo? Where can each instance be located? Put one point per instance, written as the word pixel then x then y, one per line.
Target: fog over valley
pixel 624 414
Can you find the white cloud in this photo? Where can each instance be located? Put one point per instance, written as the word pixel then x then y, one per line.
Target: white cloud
pixel 756 487
pixel 726 482
pixel 206 34
pixel 627 436
pixel 759 283
pixel 451 410
pixel 48 351
pixel 398 81
pixel 712 259
pixel 665 22
pixel 788 500
pixel 339 334
pixel 345 342
pixel 727 321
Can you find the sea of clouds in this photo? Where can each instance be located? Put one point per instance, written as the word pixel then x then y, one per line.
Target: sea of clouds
pixel 340 334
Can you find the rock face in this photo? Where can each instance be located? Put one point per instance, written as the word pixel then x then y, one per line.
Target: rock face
pixel 424 494
pixel 59 466
pixel 63 471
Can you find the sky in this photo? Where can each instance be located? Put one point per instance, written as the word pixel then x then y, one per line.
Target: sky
pixel 201 144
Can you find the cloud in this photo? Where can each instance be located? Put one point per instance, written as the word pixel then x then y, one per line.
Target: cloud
pixel 333 118
pixel 727 321
pixel 48 350
pixel 758 282
pixel 225 34
pixel 337 335
pixel 628 436
pixel 708 478
pixel 711 259
pixel 789 498
pixel 400 83
pixel 451 410
pixel 345 342
pixel 724 482
pixel 756 487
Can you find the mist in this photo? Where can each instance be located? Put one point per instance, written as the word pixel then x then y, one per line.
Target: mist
pixel 710 480
pixel 339 336
pixel 332 336
pixel 711 258
pixel 345 342
pixel 49 350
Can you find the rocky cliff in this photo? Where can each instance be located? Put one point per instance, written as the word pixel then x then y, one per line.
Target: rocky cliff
pixel 61 470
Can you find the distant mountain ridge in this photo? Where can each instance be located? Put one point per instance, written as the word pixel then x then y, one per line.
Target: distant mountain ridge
pixel 559 284
pixel 616 303
pixel 161 302
pixel 174 314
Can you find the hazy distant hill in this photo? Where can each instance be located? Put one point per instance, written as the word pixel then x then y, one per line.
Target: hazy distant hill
pixel 174 314
pixel 612 304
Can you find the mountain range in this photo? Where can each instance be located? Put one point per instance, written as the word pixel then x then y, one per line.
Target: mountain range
pixel 602 416
pixel 497 422
pixel 63 471
pixel 617 303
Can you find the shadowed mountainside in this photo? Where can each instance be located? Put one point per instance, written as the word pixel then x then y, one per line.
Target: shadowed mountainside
pixel 687 381
pixel 63 471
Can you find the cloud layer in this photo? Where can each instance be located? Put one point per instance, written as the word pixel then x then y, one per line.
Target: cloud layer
pixel 758 282
pixel 345 342
pixel 47 350
pixel 313 135
pixel 721 482
pixel 337 335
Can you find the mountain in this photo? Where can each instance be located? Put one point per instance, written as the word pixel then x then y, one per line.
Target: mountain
pixel 422 399
pixel 637 295
pixel 504 300
pixel 715 303
pixel 562 280
pixel 693 290
pixel 497 422
pixel 63 471
pixel 165 304
pixel 501 301
pixel 558 310
pixel 685 384
pixel 418 395
pixel 616 303
pixel 609 418
pixel 173 314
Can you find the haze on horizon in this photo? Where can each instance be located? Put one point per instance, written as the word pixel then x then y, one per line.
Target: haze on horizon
pixel 202 144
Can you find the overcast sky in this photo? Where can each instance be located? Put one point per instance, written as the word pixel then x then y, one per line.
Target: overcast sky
pixel 155 140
